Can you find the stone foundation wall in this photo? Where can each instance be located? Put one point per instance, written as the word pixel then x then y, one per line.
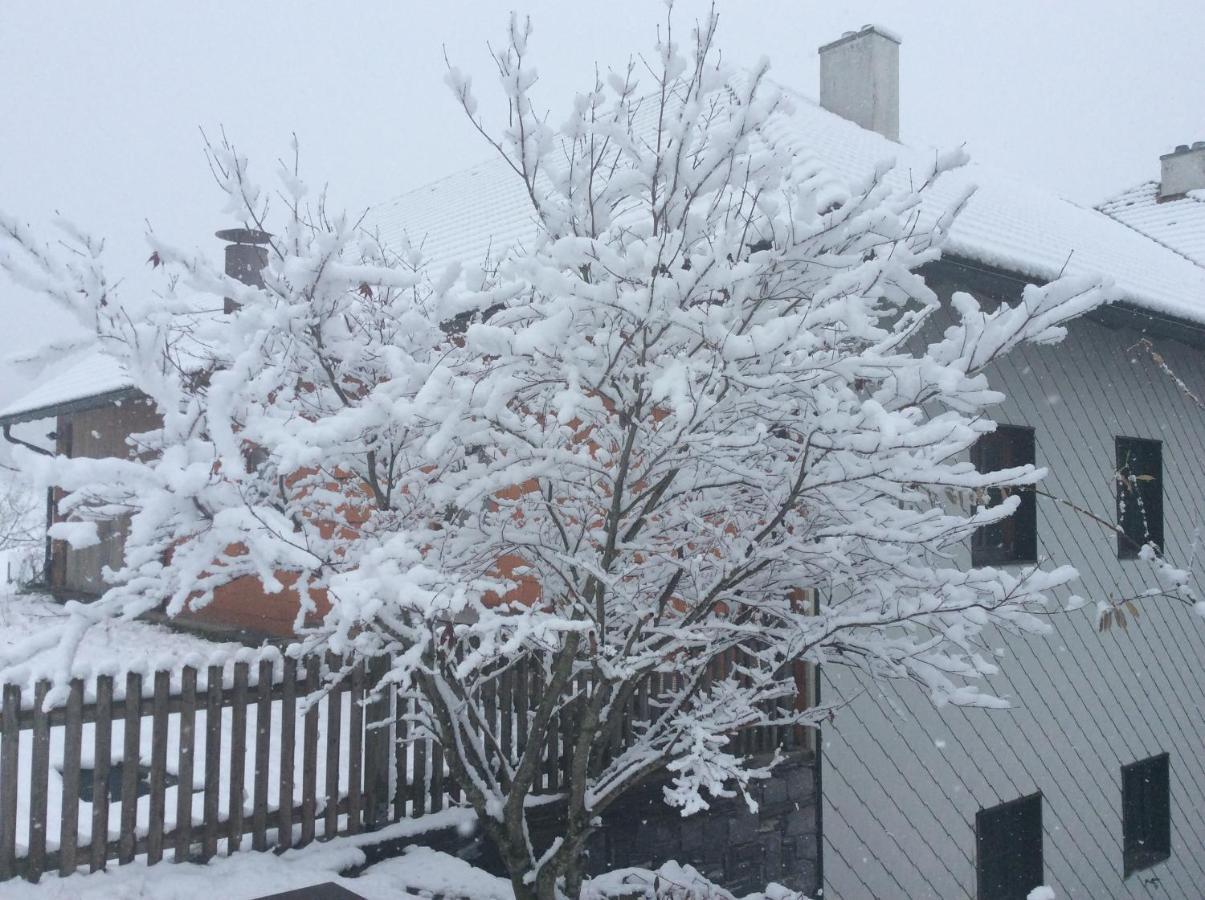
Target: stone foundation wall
pixel 740 850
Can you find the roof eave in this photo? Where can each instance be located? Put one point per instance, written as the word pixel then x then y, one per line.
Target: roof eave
pixel 80 404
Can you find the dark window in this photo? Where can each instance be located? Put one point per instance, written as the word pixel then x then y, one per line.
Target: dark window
pixel 1008 848
pixel 1146 813
pixel 1016 538
pixel 1139 495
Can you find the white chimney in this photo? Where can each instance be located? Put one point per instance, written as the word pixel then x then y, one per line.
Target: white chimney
pixel 860 79
pixel 1183 171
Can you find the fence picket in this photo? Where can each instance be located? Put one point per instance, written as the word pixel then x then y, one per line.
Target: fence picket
pixel 376 746
pixel 238 759
pixel 10 744
pixel 288 752
pixel 263 742
pixel 184 786
pixel 154 835
pixel 355 751
pixel 366 781
pixel 213 763
pixel 38 788
pixel 131 745
pixel 418 789
pixel 100 772
pixel 72 739
pixel 334 725
pixel 507 706
pixel 401 758
pixel 309 751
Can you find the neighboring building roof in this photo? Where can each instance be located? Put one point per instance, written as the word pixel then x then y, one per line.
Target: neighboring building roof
pixel 1009 224
pixel 90 380
pixel 483 212
pixel 1177 223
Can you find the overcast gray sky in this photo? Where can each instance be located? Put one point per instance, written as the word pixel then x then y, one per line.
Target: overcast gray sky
pixel 100 102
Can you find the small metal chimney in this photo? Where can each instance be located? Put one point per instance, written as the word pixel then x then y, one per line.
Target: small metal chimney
pixel 860 79
pixel 1183 170
pixel 246 256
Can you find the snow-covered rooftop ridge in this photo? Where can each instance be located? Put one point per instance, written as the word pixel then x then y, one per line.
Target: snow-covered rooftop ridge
pixel 1177 223
pixel 91 375
pixel 1009 224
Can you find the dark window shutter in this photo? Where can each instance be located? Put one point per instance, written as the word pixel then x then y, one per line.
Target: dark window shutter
pixel 1146 813
pixel 1008 847
pixel 1016 538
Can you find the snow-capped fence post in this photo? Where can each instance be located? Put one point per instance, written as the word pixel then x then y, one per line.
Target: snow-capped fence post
pixel 159 703
pixel 213 762
pixel 72 740
pixel 238 758
pixel 309 753
pixel 39 783
pixel 288 752
pixel 102 755
pixel 334 722
pixel 9 745
pixel 376 747
pixel 355 752
pixel 188 726
pixel 129 768
pixel 263 742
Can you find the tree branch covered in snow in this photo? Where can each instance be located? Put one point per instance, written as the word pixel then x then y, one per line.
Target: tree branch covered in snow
pixel 624 453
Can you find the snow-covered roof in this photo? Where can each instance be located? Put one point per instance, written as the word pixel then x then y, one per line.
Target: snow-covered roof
pixel 93 375
pixel 1178 223
pixel 1009 224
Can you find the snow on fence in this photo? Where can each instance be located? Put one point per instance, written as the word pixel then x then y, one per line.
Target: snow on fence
pixel 185 760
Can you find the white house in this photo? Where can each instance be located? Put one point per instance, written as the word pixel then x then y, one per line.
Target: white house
pixel 1094 780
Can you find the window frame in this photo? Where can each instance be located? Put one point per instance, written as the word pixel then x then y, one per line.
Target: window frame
pixel 1139 850
pixel 985 891
pixel 1023 548
pixel 1127 544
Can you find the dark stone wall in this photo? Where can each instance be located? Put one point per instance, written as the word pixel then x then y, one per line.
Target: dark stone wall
pixel 735 848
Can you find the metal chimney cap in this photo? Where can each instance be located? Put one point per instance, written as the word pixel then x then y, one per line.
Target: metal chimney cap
pixel 243 236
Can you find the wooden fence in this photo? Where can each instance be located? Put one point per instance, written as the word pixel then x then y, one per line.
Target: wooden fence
pixel 234 744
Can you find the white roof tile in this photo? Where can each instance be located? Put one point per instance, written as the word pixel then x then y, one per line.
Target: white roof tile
pixel 1178 224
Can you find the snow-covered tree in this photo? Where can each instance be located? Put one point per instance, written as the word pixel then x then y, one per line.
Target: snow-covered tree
pixel 628 450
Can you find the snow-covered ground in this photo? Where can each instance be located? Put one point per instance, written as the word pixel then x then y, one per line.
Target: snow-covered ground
pixel 112 646
pixel 419 872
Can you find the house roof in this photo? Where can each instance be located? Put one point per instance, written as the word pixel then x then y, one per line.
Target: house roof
pixel 1009 224
pixel 483 212
pixel 90 380
pixel 1177 223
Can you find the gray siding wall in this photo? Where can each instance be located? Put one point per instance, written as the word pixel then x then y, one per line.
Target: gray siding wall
pixel 902 781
